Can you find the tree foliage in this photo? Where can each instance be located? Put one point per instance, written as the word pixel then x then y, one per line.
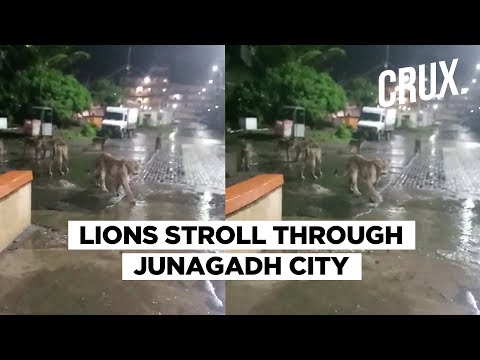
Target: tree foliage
pixel 33 75
pixel 262 78
pixel 43 86
pixel 361 91
pixel 106 93
pixel 19 57
pixel 300 85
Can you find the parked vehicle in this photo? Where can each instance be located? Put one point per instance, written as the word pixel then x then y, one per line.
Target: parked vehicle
pixel 120 121
pixel 375 122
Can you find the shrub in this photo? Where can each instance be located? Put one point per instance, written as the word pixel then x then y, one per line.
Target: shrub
pixel 343 132
pixel 89 130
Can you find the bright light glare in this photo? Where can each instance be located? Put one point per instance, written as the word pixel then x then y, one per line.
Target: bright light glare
pixel 471 111
pixel 478 66
pixel 165 80
pixel 435 106
pixel 164 90
pixel 139 89
pixel 216 106
pixel 203 90
pixel 463 91
pixel 214 68
pixel 208 109
pixel 147 80
pixel 210 81
pixel 174 106
pixel 474 81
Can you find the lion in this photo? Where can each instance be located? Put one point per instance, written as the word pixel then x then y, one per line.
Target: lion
pixel 119 170
pixel 3 150
pixel 246 155
pixel 356 144
pixel 57 151
pixel 98 143
pixel 312 157
pixel 33 145
pixel 369 171
pixel 285 144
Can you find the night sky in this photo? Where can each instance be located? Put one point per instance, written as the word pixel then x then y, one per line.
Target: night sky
pixel 190 64
pixel 363 58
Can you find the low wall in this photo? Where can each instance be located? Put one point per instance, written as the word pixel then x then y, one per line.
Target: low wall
pixel 256 199
pixel 15 205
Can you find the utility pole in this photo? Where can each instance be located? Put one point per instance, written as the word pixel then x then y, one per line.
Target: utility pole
pixel 387 56
pixel 129 58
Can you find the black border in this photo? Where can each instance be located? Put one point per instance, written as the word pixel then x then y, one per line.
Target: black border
pixel 223 337
pixel 240 23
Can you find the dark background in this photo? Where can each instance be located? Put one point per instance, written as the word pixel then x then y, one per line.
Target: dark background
pixel 192 63
pixel 189 64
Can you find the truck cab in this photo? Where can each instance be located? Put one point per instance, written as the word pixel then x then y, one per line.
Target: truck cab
pixel 376 122
pixel 119 121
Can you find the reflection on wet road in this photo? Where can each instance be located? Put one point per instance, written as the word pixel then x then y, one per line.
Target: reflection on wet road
pixel 438 188
pixel 180 181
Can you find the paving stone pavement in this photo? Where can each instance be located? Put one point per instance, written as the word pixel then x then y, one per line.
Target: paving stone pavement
pixel 446 164
pixel 191 165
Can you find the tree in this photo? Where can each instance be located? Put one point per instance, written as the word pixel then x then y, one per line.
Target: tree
pixel 361 91
pixel 246 61
pixel 19 57
pixel 43 86
pixel 301 85
pixel 105 93
pixel 245 100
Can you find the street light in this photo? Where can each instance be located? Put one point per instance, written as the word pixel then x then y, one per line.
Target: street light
pixel 174 106
pixel 165 80
pixel 199 92
pixel 463 91
pixel 208 109
pixel 474 81
pixel 214 68
pixel 216 106
pixel 472 111
pixel 164 90
pixel 203 90
pixel 478 67
pixel 147 80
pixel 210 81
pixel 435 106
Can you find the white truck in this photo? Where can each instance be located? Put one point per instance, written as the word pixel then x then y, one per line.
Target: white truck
pixel 376 122
pixel 119 121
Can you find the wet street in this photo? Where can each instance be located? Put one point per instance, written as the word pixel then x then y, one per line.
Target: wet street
pixel 438 188
pixel 184 180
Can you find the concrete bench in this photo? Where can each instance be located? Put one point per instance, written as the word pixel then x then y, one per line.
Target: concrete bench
pixel 256 199
pixel 15 205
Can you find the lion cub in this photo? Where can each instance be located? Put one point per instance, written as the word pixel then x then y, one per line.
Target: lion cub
pixel 313 158
pixel 368 170
pixel 119 170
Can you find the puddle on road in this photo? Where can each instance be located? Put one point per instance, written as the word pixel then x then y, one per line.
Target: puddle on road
pixel 425 281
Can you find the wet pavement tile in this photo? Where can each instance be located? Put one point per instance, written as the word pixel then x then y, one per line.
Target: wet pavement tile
pixel 40 276
pixel 438 188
